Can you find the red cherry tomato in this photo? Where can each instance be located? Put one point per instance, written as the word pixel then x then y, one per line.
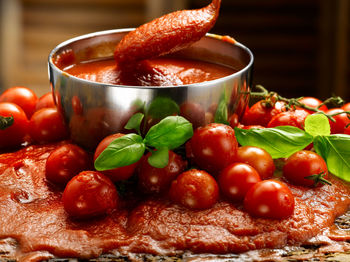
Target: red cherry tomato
pixel 303 164
pixel 194 189
pixel 269 199
pixel 261 113
pixel 47 125
pixel 158 180
pixel 314 103
pixel 236 179
pixel 213 147
pixel 21 96
pixel 89 194
pixel 258 158
pixel 45 101
pixel 119 173
pixel 65 162
pixel 289 118
pixel 341 120
pixel 13 135
pixel 346 107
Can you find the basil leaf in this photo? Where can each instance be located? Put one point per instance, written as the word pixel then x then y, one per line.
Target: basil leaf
pixel 123 151
pixel 317 125
pixel 6 122
pixel 336 151
pixel 171 133
pixel 135 122
pixel 221 114
pixel 279 142
pixel 159 158
pixel 162 107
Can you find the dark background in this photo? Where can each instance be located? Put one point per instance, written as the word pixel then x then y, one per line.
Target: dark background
pixel 300 47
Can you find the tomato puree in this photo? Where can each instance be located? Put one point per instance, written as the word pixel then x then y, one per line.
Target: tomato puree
pixel 34 217
pixel 154 72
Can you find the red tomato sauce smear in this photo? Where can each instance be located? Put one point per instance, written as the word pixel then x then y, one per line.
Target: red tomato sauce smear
pixel 33 214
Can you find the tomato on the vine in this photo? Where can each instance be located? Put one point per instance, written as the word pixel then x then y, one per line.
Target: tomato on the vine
pixel 262 112
pixel 341 120
pixel 47 125
pixel 15 134
pixel 236 179
pixel 89 194
pixel 65 162
pixel 314 103
pixel 258 158
pixel 289 118
pixel 305 168
pixel 194 189
pixel 213 147
pixel 21 96
pixel 269 199
pixel 158 180
pixel 119 173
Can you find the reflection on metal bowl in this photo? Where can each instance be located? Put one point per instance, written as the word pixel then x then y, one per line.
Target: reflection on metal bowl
pixel 93 110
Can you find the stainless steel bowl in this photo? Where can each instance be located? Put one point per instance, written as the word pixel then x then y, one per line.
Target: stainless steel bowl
pixel 94 110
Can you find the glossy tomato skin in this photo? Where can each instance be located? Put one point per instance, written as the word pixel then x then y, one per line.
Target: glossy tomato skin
pixel 14 135
pixel 21 96
pixel 45 101
pixel 346 107
pixel 314 103
pixel 258 158
pixel 119 173
pixel 89 194
pixel 47 125
pixel 236 179
pixel 194 189
pixel 341 120
pixel 289 118
pixel 65 162
pixel 303 164
pixel 261 113
pixel 213 147
pixel 269 199
pixel 158 180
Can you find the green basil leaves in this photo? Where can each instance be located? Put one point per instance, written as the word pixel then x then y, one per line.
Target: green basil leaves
pixel 171 132
pixel 283 141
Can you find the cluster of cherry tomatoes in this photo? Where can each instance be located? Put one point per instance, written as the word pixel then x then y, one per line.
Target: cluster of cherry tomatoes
pixel 214 164
pixel 35 119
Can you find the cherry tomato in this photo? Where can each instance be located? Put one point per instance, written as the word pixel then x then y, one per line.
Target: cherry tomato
pixel 233 120
pixel 158 180
pixel 341 120
pixel 45 101
pixel 89 194
pixel 261 113
pixel 47 125
pixel 213 147
pixel 269 199
pixel 21 96
pixel 65 162
pixel 314 103
pixel 258 158
pixel 303 164
pixel 346 107
pixel 289 118
pixel 194 113
pixel 13 135
pixel 194 189
pixel 236 179
pixel 119 173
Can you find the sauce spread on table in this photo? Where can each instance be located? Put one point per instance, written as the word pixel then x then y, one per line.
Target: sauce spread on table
pixel 33 215
pixel 154 72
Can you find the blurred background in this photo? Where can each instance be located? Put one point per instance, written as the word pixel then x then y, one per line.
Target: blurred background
pixel 300 47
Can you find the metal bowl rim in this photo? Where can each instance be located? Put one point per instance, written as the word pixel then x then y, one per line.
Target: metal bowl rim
pixel 106 32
